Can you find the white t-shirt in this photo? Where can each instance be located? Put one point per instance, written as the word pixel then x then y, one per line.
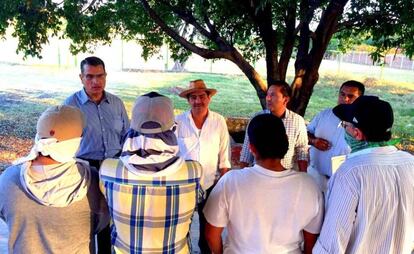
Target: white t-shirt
pixel 265 211
pixel 209 146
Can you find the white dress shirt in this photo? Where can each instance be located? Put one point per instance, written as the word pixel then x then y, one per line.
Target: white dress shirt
pixel 209 146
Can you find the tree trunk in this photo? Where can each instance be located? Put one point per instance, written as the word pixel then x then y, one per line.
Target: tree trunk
pixel 307 68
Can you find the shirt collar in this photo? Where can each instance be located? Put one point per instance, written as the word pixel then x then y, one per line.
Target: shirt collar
pixel 381 149
pixel 284 115
pixel 84 98
pixel 271 173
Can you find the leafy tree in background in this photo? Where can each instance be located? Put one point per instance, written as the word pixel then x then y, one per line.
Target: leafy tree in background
pixel 241 31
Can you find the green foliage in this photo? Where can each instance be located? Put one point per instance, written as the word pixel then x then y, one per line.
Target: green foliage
pixel 384 24
pixel 387 24
pixel 33 21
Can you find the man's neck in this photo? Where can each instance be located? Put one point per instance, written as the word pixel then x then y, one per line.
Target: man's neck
pixel 199 118
pixel 44 160
pixel 97 98
pixel 270 164
pixel 279 113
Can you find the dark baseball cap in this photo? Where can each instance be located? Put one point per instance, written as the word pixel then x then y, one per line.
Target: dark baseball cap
pixel 374 117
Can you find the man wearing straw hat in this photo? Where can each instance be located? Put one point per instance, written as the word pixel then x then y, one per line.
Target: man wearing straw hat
pixel 50 201
pixel 203 136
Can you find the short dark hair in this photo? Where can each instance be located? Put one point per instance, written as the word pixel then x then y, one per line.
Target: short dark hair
pixel 92 60
pixel 268 135
pixel 356 84
pixel 285 88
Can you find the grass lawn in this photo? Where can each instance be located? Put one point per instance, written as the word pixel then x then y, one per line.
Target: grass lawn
pixel 26 91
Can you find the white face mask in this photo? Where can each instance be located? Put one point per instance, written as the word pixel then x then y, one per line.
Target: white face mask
pixel 63 151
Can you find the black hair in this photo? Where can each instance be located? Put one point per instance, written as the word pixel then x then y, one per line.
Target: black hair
pixel 285 88
pixel 268 135
pixel 353 83
pixel 92 60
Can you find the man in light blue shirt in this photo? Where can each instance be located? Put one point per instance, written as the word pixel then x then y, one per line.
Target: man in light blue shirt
pixel 106 117
pixel 106 123
pixel 326 136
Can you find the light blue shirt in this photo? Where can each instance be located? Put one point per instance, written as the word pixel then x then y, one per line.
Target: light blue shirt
pixel 327 126
pixel 106 124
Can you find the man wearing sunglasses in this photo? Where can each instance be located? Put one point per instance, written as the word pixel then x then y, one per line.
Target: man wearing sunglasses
pixel 370 199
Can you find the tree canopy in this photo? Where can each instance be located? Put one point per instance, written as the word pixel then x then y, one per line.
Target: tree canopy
pixel 241 31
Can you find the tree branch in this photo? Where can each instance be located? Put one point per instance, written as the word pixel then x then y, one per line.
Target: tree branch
pixel 206 53
pixel 188 17
pixel 289 42
pixel 89 6
pixel 263 19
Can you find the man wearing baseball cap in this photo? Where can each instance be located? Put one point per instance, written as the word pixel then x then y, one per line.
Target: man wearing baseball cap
pixel 370 199
pixel 203 136
pixel 50 201
pixel 152 192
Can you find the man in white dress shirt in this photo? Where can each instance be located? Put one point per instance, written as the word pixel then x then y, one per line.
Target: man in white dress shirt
pixel 370 199
pixel 203 136
pixel 326 136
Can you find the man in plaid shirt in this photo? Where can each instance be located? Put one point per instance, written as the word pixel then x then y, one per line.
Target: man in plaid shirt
pixel 151 191
pixel 277 98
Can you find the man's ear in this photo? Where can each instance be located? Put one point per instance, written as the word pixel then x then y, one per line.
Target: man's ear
pixel 287 99
pixel 253 150
pixel 358 134
pixel 80 76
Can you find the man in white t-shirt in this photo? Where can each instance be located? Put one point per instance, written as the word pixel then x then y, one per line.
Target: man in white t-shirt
pixel 326 135
pixel 203 137
pixel 266 208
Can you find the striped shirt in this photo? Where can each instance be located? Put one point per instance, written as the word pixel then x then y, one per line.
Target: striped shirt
pixel 297 136
pixel 151 213
pixel 106 124
pixel 370 204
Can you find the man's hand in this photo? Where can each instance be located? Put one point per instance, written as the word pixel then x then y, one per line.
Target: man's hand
pixel 320 143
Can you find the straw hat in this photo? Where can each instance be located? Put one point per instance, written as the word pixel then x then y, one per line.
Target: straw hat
pixel 197 85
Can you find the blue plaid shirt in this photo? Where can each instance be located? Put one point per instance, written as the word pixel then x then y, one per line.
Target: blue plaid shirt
pixel 106 124
pixel 151 213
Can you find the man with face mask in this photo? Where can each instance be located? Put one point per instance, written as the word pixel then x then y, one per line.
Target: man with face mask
pixel 51 202
pixel 151 190
pixel 370 199
pixel 326 136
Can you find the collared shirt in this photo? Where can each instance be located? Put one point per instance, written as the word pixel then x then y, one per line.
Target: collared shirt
pixel 297 136
pixel 327 126
pixel 151 213
pixel 106 124
pixel 370 204
pixel 265 211
pixel 209 146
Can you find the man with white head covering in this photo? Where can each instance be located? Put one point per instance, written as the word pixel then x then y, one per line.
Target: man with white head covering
pixel 51 202
pixel 151 191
